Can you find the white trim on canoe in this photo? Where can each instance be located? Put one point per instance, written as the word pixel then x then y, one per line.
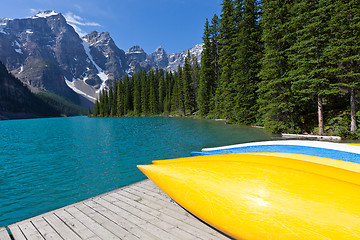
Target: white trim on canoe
pixel 317 144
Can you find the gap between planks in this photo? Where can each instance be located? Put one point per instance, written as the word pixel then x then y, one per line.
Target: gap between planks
pixel 137 211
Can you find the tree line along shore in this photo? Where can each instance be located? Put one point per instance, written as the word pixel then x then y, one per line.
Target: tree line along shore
pixel 290 66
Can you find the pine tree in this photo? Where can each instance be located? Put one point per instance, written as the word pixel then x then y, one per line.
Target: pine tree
pixel 170 86
pixel 162 93
pixel 180 98
pixel 309 72
pixel 127 95
pixel 120 99
pixel 110 101
pixel 137 95
pixel 276 103
pixel 188 88
pixel 152 93
pixel 214 40
pixel 96 109
pixel 144 93
pixel 344 50
pixel 226 90
pixel 207 73
pixel 89 113
pixel 195 77
pixel 246 65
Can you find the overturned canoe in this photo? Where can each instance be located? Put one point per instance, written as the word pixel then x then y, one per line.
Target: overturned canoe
pixel 350 153
pixel 264 196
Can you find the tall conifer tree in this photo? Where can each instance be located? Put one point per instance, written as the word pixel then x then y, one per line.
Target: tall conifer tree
pixel 226 90
pixel 344 51
pixel 137 95
pixel 309 63
pixel 275 95
pixel 207 73
pixel 247 62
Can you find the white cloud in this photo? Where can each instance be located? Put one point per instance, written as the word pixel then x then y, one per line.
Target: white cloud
pixel 77 20
pixel 34 11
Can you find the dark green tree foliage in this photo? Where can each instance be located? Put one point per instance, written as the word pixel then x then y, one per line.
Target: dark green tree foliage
pixel 180 96
pixel 275 97
pixel 308 74
pixel 89 112
pixel 152 93
pixel 120 99
pixel 188 86
pixel 162 94
pixel 128 97
pixel 226 91
pixel 344 50
pixel 277 63
pixel 215 36
pixel 247 60
pixel 137 95
pixel 207 73
pixel 96 109
pixel 209 70
pixel 153 104
pixel 144 93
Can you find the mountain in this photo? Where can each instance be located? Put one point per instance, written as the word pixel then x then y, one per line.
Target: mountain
pixel 16 100
pixel 46 53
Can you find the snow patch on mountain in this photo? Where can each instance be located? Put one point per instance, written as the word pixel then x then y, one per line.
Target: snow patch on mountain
pixel 18 47
pixel 21 69
pixel 102 75
pixel 3 23
pixel 71 84
pixel 45 14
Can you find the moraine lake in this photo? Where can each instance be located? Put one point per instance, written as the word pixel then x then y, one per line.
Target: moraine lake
pixel 46 164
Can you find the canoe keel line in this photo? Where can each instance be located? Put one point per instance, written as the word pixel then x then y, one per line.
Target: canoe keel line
pixel 266 195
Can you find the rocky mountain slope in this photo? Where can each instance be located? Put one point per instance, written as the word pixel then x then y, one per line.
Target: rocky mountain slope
pixel 45 52
pixel 16 100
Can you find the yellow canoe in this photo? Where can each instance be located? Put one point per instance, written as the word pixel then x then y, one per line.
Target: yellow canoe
pixel 265 195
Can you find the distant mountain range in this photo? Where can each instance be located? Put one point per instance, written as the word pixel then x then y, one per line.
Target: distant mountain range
pixel 46 53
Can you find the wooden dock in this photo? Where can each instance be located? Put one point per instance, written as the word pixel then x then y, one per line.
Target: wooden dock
pixel 138 211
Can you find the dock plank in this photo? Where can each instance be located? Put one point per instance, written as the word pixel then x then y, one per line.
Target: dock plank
pixel 45 229
pixel 138 211
pixel 107 223
pixel 167 203
pixel 30 231
pixel 167 217
pixel 141 223
pixel 16 232
pixel 155 219
pixel 4 234
pixel 79 228
pixel 99 230
pixel 61 227
pixel 123 222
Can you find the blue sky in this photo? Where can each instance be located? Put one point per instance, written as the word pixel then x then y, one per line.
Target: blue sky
pixel 174 24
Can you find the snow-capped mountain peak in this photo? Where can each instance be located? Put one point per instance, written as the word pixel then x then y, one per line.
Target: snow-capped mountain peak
pixel 45 14
pixel 49 54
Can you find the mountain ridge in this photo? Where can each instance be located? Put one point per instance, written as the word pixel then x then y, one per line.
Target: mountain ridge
pixel 46 53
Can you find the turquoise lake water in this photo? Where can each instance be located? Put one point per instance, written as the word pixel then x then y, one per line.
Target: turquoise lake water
pixel 46 164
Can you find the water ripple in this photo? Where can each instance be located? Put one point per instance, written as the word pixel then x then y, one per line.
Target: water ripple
pixel 50 163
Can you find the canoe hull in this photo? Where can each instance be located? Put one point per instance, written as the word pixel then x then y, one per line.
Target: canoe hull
pixel 249 196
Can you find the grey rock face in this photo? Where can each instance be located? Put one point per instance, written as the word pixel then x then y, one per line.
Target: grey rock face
pixel 106 54
pixel 45 52
pixel 159 58
pixel 42 52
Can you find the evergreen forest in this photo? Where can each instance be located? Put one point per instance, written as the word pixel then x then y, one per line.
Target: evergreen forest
pixel 290 66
